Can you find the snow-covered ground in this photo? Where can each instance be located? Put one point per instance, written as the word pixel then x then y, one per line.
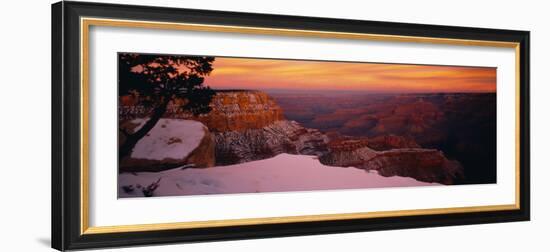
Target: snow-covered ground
pixel 284 172
pixel 170 138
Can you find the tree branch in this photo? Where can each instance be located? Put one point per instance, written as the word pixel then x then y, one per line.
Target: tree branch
pixel 124 132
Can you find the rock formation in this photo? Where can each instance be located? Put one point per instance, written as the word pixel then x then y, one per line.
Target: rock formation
pixel 244 126
pixel 279 137
pixel 231 111
pixel 426 165
pixel 171 143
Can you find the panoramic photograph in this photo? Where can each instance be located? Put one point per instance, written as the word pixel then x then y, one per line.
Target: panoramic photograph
pixel 199 125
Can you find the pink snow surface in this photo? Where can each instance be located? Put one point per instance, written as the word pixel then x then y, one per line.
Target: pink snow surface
pixel 160 143
pixel 284 172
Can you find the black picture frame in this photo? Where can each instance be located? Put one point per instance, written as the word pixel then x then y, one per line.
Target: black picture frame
pixel 66 113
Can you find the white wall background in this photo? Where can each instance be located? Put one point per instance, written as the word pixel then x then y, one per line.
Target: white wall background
pixel 25 125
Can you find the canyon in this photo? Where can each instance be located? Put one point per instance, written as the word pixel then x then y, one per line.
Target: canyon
pixel 364 132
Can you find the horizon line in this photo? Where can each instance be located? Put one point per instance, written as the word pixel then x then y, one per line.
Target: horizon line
pixel 316 91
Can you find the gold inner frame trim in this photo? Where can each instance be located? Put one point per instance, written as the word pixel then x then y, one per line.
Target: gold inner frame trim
pixel 85 24
pixel 289 219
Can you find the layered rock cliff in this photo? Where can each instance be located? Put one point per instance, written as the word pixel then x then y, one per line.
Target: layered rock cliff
pixel 231 111
pixel 240 111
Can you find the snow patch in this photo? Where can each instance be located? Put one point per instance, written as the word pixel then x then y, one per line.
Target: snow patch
pixel 169 139
pixel 284 172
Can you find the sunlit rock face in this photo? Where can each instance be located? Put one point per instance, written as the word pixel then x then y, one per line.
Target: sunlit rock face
pixel 233 111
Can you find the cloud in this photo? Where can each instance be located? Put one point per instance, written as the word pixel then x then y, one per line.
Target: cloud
pixel 249 73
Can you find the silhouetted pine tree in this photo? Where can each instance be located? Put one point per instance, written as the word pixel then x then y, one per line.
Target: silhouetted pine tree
pixel 158 79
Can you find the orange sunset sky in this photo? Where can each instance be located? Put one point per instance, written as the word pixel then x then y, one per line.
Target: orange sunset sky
pixel 248 73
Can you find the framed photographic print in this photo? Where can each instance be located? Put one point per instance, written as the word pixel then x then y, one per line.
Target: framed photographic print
pixel 179 125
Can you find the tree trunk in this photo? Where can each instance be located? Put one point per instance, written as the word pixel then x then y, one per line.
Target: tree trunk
pixel 132 139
